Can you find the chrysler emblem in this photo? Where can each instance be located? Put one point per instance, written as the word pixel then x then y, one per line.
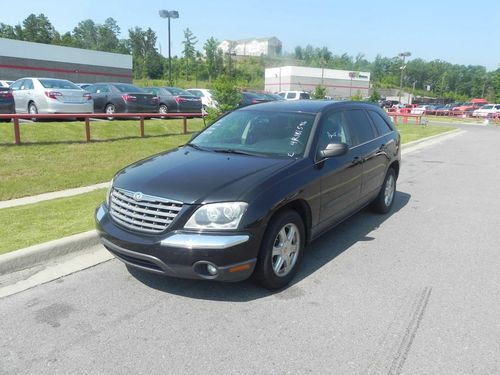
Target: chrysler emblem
pixel 138 196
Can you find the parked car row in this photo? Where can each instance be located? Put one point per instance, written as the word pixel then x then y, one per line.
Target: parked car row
pixel 468 109
pixel 33 95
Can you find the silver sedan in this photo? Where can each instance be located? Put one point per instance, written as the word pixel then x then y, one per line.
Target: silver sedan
pixel 50 95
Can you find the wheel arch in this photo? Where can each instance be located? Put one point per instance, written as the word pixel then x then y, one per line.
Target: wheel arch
pixel 303 209
pixel 395 165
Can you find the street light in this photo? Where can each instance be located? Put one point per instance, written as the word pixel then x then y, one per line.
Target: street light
pixel 351 76
pixel 169 14
pixel 403 55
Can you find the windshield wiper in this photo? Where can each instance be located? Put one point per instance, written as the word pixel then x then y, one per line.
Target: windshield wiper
pixel 196 147
pixel 233 151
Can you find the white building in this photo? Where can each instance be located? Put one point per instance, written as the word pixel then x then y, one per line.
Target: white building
pixel 339 84
pixel 253 47
pixel 27 59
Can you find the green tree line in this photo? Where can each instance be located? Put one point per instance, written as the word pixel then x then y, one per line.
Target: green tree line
pixel 206 62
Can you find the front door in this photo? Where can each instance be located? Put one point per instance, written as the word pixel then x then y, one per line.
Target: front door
pixel 341 175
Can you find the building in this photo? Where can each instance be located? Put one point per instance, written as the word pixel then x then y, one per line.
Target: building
pixel 26 59
pixel 253 47
pixel 339 84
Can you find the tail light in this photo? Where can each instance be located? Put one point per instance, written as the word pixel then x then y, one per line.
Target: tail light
pixel 178 99
pixel 52 94
pixel 155 99
pixel 87 96
pixel 255 101
pixel 6 94
pixel 129 98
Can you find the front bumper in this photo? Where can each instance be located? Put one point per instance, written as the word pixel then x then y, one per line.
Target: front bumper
pixel 179 253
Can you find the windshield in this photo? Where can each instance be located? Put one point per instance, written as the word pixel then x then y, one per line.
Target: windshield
pixel 487 107
pixel 282 134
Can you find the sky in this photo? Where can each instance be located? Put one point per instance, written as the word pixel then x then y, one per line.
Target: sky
pixel 464 33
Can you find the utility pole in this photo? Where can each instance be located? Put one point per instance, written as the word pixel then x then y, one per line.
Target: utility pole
pixel 403 55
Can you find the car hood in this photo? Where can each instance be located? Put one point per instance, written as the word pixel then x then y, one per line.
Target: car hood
pixel 194 177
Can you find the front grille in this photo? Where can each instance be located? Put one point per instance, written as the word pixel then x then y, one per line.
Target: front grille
pixel 142 213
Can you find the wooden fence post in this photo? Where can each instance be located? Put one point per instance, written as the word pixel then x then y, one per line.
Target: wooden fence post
pixel 185 125
pixel 17 133
pixel 142 126
pixel 87 129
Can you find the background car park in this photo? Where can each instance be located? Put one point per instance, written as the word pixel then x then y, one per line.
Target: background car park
pixel 7 104
pixel 488 110
pixel 4 83
pixel 113 98
pixel 175 100
pixel 294 95
pixel 250 97
pixel 50 95
pixel 206 96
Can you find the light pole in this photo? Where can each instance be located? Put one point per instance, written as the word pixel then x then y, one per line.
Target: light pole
pixel 351 76
pixel 403 55
pixel 169 14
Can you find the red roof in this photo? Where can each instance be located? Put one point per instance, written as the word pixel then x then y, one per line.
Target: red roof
pixel 479 101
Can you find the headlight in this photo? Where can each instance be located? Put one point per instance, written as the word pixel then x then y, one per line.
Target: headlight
pixel 108 193
pixel 217 216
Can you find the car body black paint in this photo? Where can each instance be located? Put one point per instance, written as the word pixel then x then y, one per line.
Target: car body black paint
pixel 329 190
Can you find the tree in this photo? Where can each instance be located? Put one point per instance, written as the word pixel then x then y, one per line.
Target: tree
pixel 189 51
pixel 107 36
pixel 319 92
pixel 214 59
pixel 85 34
pixel 38 29
pixel 9 32
pixel 227 94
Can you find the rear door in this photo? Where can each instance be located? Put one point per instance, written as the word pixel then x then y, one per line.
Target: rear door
pixel 372 151
pixel 100 93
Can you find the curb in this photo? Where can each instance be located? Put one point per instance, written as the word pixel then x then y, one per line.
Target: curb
pixel 34 255
pixel 423 140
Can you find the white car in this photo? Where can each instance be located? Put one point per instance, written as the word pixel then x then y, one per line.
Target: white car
pixel 294 95
pixel 207 99
pixel 50 95
pixel 487 110
pixel 420 109
pixel 4 83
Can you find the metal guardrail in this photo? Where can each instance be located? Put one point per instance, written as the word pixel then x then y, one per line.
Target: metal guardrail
pixel 87 116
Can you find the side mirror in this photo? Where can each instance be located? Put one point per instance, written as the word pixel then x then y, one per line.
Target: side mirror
pixel 333 149
pixel 193 136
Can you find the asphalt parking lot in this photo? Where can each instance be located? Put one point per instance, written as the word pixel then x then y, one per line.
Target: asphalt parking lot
pixel 413 292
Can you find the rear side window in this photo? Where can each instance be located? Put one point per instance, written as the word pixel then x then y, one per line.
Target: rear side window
pixel 304 95
pixel 28 84
pixel 127 88
pixel 380 124
pixel 291 95
pixel 58 84
pixel 359 124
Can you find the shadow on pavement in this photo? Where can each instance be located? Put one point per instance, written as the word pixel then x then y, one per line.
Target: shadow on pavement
pixel 320 252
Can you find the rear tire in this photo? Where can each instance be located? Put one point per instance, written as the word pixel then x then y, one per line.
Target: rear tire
pixel 281 250
pixel 385 198
pixel 110 110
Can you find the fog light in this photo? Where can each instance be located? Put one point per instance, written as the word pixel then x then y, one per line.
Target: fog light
pixel 212 270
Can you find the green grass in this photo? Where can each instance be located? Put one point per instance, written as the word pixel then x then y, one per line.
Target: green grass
pixel 36 223
pixel 412 132
pixel 54 156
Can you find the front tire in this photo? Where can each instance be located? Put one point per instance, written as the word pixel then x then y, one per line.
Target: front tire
pixel 385 198
pixel 281 250
pixel 33 110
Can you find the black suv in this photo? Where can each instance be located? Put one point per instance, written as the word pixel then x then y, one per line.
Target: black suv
pixel 249 192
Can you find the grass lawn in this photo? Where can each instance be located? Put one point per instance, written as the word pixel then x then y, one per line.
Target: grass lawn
pixel 54 156
pixel 412 132
pixel 36 223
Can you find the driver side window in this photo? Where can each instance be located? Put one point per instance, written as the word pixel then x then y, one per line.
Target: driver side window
pixel 334 129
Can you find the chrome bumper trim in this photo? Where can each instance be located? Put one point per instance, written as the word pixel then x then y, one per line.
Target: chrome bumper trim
pixel 204 241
